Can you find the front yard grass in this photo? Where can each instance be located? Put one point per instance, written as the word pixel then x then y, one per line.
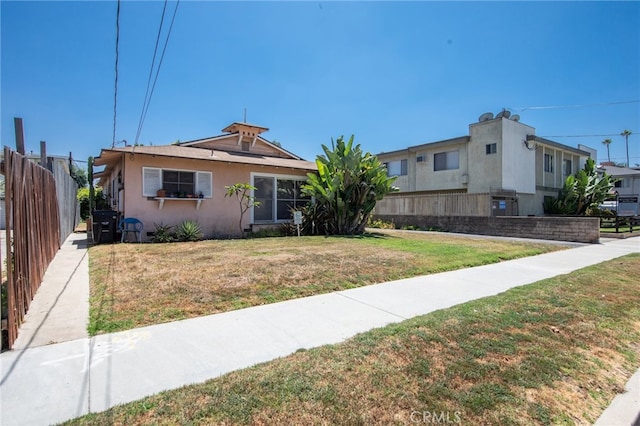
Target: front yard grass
pixel 553 352
pixel 134 285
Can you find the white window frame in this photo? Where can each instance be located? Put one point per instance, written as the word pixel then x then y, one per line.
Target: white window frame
pixel 491 148
pixel 274 212
pixel 152 189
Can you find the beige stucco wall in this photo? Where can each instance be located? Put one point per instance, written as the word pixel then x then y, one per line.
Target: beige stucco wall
pixel 421 176
pixel 485 171
pixel 511 167
pixel 218 215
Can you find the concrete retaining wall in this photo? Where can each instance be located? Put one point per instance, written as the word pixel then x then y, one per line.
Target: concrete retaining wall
pixel 575 229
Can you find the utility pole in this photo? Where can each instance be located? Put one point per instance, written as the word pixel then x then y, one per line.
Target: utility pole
pixel 43 154
pixel 17 123
pixel 626 134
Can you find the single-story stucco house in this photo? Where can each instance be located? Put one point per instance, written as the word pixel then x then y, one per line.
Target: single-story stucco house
pixel 193 176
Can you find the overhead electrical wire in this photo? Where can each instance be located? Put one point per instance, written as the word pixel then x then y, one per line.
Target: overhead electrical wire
pixel 153 61
pixel 520 109
pixel 115 91
pixel 145 107
pixel 580 136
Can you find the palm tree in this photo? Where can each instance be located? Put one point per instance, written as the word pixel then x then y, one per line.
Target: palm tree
pixel 626 134
pixel 606 143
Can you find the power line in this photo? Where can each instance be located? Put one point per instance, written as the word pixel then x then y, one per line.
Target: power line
pixel 520 109
pixel 580 136
pixel 153 61
pixel 164 49
pixel 115 91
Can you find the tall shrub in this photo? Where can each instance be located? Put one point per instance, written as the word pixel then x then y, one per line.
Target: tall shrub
pixel 585 190
pixel 346 188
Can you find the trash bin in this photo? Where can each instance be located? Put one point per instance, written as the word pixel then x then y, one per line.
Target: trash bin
pixel 104 226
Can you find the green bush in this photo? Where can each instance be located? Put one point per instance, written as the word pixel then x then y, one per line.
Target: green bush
pixel 163 234
pixel 189 230
pixel 98 198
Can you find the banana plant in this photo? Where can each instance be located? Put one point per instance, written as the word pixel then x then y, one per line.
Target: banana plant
pixel 347 186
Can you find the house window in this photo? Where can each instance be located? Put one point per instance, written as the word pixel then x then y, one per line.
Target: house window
pixel 278 195
pixel 420 158
pixel 185 182
pixel 548 163
pixel 246 146
pixel 397 168
pixel 491 148
pixel 446 161
pixel 178 182
pixel 567 166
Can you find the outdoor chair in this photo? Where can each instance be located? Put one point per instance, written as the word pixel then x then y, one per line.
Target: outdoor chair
pixel 131 224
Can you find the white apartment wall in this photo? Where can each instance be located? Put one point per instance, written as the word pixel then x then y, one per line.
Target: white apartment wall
pixel 518 162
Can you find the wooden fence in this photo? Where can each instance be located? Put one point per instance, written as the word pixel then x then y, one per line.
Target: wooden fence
pixel 32 209
pixel 458 204
pixel 68 206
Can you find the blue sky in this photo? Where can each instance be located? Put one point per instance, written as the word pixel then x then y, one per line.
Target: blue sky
pixel 394 74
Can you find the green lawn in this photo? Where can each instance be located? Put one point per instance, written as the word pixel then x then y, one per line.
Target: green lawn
pixel 134 285
pixel 553 352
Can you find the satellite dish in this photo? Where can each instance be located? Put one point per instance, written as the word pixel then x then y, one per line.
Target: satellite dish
pixel 515 117
pixel 504 113
pixel 486 117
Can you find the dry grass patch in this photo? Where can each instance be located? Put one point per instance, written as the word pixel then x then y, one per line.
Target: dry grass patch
pixel 134 285
pixel 554 352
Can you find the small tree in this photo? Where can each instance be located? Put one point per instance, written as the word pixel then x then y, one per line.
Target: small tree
pixel 99 201
pixel 242 191
pixel 346 188
pixel 584 190
pixel 606 143
pixel 79 175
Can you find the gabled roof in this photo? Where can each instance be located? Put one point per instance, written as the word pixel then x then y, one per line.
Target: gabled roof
pixel 428 145
pixel 108 156
pixel 228 135
pixel 235 127
pixel 619 171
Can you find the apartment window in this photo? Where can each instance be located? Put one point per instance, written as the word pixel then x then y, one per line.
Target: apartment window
pixel 567 166
pixel 548 163
pixel 622 183
pixel 491 148
pixel 446 161
pixel 419 158
pixel 278 196
pixel 397 168
pixel 176 182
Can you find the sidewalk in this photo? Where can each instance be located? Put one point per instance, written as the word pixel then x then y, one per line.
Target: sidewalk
pixel 54 383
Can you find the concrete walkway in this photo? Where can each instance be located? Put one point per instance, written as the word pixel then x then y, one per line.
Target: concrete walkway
pixel 57 382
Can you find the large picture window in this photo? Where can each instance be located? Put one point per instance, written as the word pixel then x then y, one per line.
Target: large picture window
pixel 278 195
pixel 178 182
pixel 449 160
